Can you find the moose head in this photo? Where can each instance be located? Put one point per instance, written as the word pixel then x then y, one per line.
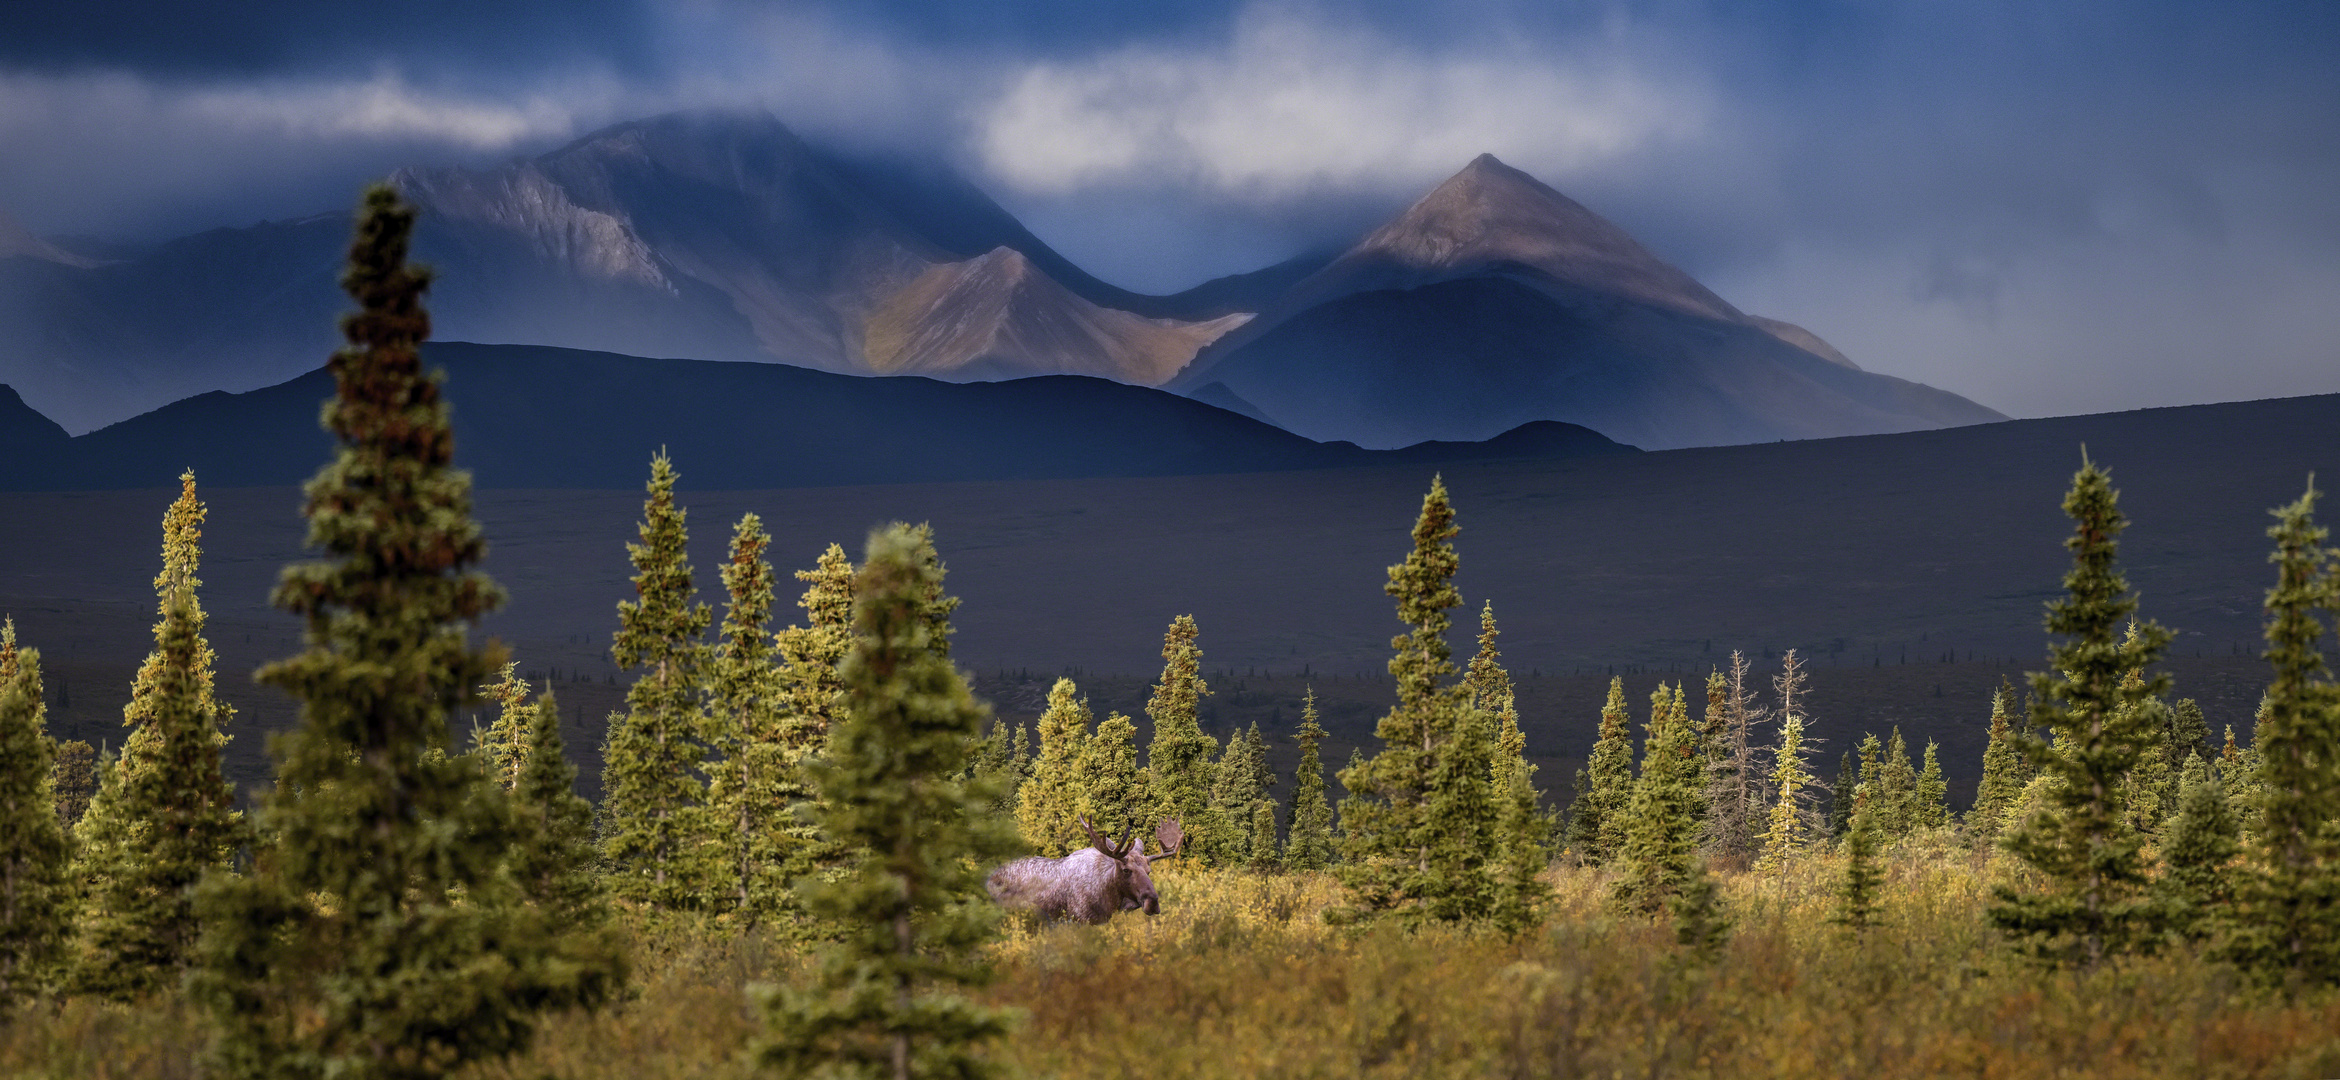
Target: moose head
pixel 1134 883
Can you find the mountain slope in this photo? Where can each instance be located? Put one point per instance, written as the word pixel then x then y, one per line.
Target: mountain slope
pixel 719 236
pixel 1496 300
pixel 535 416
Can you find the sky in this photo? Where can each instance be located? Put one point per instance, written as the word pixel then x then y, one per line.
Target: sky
pixel 2050 206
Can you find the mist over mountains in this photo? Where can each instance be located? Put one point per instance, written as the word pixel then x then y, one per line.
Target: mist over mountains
pixel 1492 303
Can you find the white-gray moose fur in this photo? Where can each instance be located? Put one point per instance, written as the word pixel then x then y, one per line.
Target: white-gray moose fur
pixel 1090 884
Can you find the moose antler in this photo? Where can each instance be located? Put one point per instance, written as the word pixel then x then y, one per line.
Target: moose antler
pixel 1117 852
pixel 1169 837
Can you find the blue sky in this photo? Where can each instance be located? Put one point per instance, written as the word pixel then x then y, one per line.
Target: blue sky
pixel 2052 207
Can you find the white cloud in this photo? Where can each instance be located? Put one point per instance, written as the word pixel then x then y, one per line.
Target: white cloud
pixel 1294 102
pixel 386 107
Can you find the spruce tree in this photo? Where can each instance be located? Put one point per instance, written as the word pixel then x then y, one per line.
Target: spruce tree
pixel 1932 795
pixel 505 743
pixel 1048 808
pixel 1842 795
pixel 1238 783
pixel 2289 903
pixel 1309 846
pixel 1856 897
pixel 2002 775
pixel 167 816
pixel 1659 853
pixel 755 780
pixel 1178 761
pixel 1736 814
pixel 74 777
pixel 1596 821
pixel 377 935
pixel 34 889
pixel 886 998
pixel 2196 887
pixel 1791 820
pixel 1416 829
pixel 656 826
pixel 810 653
pixel 2189 731
pixel 1895 798
pixel 2090 905
pixel 1114 795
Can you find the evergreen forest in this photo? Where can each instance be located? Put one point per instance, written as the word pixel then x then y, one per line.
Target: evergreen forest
pixel 800 802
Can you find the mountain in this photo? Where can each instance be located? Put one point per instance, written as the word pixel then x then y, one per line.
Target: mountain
pixel 543 417
pixel 1496 300
pixel 719 236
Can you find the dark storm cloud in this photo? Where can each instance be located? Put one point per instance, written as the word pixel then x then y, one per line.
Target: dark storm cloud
pixel 2049 206
pixel 275 37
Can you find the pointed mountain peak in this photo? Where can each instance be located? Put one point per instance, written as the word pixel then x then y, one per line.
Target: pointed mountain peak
pixel 1493 218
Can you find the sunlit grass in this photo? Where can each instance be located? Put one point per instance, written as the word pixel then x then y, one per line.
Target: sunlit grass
pixel 1240 976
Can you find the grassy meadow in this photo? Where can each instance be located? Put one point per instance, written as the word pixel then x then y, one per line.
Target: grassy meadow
pixel 1240 976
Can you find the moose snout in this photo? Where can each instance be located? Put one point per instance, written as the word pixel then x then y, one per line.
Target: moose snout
pixel 1153 903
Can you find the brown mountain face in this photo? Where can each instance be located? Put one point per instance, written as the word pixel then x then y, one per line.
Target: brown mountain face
pixel 810 252
pixel 997 316
pixel 1496 301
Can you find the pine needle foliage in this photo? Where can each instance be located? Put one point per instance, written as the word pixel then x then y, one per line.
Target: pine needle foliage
pixel 1932 791
pixel 2003 774
pixel 1736 811
pixel 2090 904
pixel 1789 826
pixel 74 777
pixel 1858 896
pixel 34 888
pixel 1048 808
pixel 2289 930
pixel 505 742
pixel 2196 886
pixel 1418 826
pixel 1308 847
pixel 655 820
pixel 809 654
pixel 754 780
pixel 888 999
pixel 1114 793
pixel 1659 856
pixel 1596 822
pixel 1179 759
pixel 377 935
pixel 166 816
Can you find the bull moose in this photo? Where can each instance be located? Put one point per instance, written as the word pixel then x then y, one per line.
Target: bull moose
pixel 1090 884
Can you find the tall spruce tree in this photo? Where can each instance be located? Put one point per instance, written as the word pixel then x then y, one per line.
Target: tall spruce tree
pixel 886 998
pixel 1415 836
pixel 1932 794
pixel 1596 822
pixel 1239 781
pixel 422 955
pixel 34 888
pixel 1659 856
pixel 1114 795
pixel 2091 902
pixel 809 654
pixel 1842 795
pixel 2289 903
pixel 1179 759
pixel 2003 774
pixel 756 780
pixel 166 816
pixel 1894 799
pixel 1309 844
pixel 656 826
pixel 1048 808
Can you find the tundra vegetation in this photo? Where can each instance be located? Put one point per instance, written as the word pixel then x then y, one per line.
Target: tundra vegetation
pixel 786 875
